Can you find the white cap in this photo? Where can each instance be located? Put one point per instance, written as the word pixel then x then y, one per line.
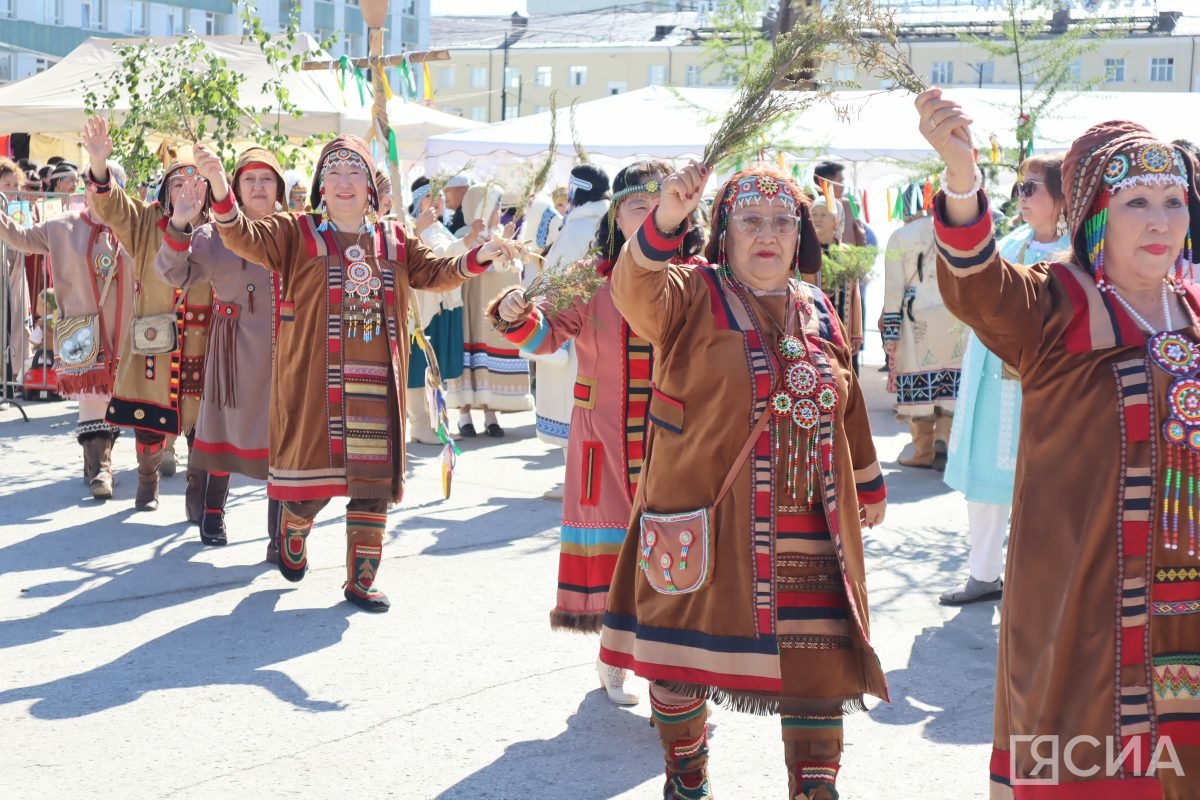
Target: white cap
pixel 459 181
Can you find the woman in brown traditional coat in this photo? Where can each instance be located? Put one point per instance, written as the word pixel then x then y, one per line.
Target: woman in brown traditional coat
pixel 231 431
pixel 90 271
pixel 755 415
pixel 337 396
pixel 1100 635
pixel 158 395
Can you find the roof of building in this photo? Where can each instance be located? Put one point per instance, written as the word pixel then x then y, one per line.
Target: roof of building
pixel 598 28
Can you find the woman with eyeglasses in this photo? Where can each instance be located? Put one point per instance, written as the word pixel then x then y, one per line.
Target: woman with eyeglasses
pixel 983 443
pixel 741 579
pixel 1099 658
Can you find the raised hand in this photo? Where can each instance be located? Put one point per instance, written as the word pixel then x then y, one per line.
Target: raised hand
pixel 99 146
pixel 427 217
pixel 947 128
pixel 682 192
pixel 514 307
pixel 500 249
pixel 189 204
pixel 210 166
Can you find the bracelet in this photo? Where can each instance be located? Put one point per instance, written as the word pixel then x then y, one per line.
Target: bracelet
pixel 679 229
pixel 967 195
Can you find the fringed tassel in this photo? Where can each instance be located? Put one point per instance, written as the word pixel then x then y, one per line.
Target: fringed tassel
pixel 223 345
pixel 765 705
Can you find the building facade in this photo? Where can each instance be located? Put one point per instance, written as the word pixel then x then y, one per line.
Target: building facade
pixel 36 33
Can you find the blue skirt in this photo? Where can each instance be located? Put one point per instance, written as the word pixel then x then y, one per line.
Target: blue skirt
pixel 445 333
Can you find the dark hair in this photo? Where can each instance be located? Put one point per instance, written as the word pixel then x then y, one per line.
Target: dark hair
pixel 597 177
pixel 1050 168
pixel 610 240
pixel 829 170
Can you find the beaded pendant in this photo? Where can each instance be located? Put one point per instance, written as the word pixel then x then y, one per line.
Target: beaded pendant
pixel 364 310
pixel 1179 356
pixel 798 407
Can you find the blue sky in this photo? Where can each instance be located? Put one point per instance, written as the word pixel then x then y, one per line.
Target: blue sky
pixel 476 7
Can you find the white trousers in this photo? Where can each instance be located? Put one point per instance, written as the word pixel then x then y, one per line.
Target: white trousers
pixel 92 407
pixel 987 523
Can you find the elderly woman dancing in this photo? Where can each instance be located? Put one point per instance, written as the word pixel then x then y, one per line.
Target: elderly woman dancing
pixel 1099 639
pixel 742 578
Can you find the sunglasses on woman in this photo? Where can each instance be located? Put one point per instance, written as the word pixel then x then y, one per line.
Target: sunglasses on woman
pixel 1029 188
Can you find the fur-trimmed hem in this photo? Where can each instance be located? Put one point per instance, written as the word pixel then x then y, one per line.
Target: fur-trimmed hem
pixel 765 704
pixel 576 622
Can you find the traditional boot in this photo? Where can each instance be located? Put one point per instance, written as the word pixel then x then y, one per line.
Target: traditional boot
pixel 90 460
pixel 293 544
pixel 941 440
pixel 101 485
pixel 812 750
pixel 212 526
pixel 274 511
pixel 149 457
pixel 612 681
pixel 193 496
pixel 169 463
pixel 683 731
pixel 364 550
pixel 922 437
pixel 420 427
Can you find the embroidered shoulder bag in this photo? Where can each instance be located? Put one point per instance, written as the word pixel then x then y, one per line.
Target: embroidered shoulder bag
pixel 79 336
pixel 156 334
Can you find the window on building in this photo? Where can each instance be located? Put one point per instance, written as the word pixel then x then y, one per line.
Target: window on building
pixel 512 76
pixel 1114 70
pixel 843 74
pixel 1162 70
pixel 984 72
pixel 691 76
pixel 57 13
pixel 511 112
pixel 941 73
pixel 7 67
pixel 479 113
pixel 1075 70
pixel 657 75
pixel 446 78
pixel 541 109
pixel 616 87
pixel 6 9
pixel 543 77
pixel 41 65
pixel 138 16
pixel 478 78
pixel 213 23
pixel 169 22
pixel 578 76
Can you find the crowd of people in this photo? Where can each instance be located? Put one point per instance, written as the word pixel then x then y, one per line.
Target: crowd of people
pixel 716 344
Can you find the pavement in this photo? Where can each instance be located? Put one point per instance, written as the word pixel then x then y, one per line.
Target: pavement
pixel 136 663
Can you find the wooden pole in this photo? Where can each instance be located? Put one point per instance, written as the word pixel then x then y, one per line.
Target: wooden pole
pixel 379 59
pixel 380 116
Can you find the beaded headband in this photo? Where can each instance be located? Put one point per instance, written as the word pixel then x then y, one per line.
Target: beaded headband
pixel 649 187
pixel 419 194
pixel 755 189
pixel 342 157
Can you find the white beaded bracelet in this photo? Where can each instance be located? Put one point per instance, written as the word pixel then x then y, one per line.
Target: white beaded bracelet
pixel 967 195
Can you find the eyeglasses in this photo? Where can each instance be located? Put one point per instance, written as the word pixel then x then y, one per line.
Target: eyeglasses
pixel 1029 188
pixel 750 224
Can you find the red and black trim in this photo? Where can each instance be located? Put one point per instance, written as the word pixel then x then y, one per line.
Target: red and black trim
pixel 656 245
pixel 872 491
pixel 142 416
pixel 965 246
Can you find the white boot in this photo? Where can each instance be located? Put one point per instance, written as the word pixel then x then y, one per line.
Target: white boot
pixel 419 428
pixel 612 681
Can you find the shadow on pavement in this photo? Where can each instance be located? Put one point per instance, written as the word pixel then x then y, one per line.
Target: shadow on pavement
pixel 166 578
pixel 505 520
pixel 609 752
pixel 211 651
pixel 949 683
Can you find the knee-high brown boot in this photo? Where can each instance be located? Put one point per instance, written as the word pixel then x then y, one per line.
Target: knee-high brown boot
pixel 683 730
pixel 212 525
pixel 364 551
pixel 193 496
pixel 812 750
pixel 149 456
pixel 922 439
pixel 941 439
pixel 293 544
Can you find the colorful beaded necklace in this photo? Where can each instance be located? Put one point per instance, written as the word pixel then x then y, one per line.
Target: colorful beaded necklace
pixel 1179 357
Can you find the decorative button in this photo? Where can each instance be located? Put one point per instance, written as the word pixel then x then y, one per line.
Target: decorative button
pixel 686 538
pixel 139 414
pixel 651 538
pixel 665 561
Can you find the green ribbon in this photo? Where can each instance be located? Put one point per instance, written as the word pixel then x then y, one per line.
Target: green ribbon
pixel 393 153
pixel 360 80
pixel 854 209
pixel 407 87
pixel 898 211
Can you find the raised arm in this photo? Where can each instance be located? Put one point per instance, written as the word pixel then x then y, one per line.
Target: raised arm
pixel 124 215
pixel 536 330
pixel 180 260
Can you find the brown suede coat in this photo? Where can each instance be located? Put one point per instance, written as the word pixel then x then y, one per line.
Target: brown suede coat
pixel 1100 635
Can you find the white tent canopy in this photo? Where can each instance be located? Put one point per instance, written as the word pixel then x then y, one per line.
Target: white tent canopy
pixel 867 128
pixel 52 102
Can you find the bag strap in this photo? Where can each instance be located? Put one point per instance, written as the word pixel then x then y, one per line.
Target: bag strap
pixel 107 284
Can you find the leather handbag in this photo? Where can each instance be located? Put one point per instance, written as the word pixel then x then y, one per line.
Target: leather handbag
pixel 156 334
pixel 79 337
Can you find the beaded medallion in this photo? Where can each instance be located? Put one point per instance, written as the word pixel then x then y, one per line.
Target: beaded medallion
pixel 1178 356
pixel 364 310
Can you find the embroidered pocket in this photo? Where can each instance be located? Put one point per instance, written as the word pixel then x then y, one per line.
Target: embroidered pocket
pixel 674 550
pixel 585 392
pixel 665 411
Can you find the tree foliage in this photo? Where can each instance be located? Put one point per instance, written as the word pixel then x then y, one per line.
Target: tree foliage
pixel 737 45
pixel 183 91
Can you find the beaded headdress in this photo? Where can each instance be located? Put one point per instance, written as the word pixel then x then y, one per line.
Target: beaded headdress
pixel 343 151
pixel 1145 163
pixel 764 187
pixel 185 168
